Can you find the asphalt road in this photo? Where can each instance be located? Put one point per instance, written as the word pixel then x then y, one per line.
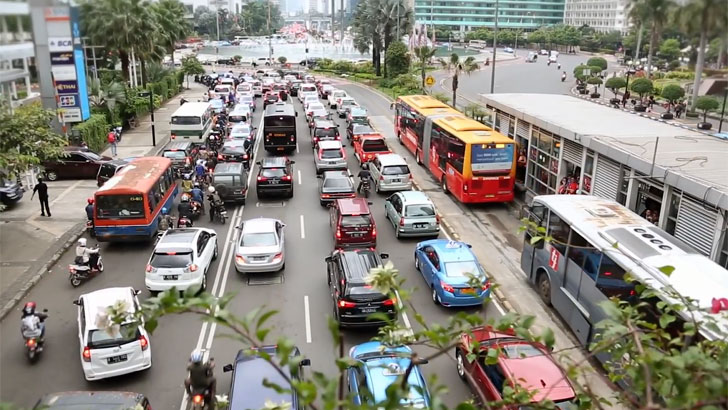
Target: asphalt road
pixel 300 294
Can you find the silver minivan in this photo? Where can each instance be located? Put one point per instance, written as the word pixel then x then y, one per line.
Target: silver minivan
pixel 389 172
pixel 412 213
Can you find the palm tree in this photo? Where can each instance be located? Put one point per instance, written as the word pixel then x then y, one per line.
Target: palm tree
pixel 457 67
pixel 106 96
pixel 423 55
pixel 172 24
pixel 366 34
pixel 701 17
pixel 375 25
pixel 638 15
pixel 658 13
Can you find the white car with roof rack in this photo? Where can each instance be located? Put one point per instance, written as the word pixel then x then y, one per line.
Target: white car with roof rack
pixel 181 259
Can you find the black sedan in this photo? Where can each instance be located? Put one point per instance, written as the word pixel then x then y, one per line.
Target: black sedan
pixel 237 150
pixel 335 185
pixel 275 176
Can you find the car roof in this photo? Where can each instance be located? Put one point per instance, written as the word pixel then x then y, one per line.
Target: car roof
pixel 335 175
pixel 249 371
pixel 391 159
pixel 371 137
pixel 234 168
pixel 259 225
pixel 329 144
pixel 363 129
pixel 178 238
pixel 234 143
pixel 359 111
pixel 414 197
pixel 96 301
pixel 324 123
pixel 273 162
pixel 351 206
pixel 379 363
pixel 357 264
pixel 83 400
pixel 320 112
pixel 241 126
pixel 451 251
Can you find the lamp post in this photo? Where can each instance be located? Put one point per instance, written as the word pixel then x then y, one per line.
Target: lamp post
pixel 630 71
pixel 722 112
pixel 495 45
pixel 150 94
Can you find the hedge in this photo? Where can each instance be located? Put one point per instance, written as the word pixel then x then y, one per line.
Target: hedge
pixel 93 131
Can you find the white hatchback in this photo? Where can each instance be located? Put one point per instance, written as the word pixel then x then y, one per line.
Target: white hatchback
pixel 181 259
pixel 105 352
pixel 262 246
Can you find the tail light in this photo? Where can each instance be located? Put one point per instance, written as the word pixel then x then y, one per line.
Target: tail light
pixel 446 287
pixel 343 153
pixel 389 302
pixel 410 177
pixel 485 286
pixel 346 304
pixel 143 342
pixel 287 178
pixel 261 179
pixel 86 354
pixel 240 259
pixel 338 233
pixel 172 136
pixel 150 269
pixel 315 139
pixel 197 399
pixel 71 269
pixel 245 156
pixel 325 196
pixel 437 218
pixel 292 138
pixel 401 222
pixel 465 187
pixel 374 232
pixel 278 257
pixel 191 268
pixel 219 157
pixel 30 343
pixel 381 177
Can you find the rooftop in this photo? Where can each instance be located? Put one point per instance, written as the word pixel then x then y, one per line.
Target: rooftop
pixel 688 160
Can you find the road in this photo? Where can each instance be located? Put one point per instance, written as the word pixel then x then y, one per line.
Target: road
pixel 300 294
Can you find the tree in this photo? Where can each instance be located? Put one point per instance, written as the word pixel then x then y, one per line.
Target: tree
pixel 707 103
pixel 657 13
pixel 600 62
pixel 423 55
pixel 596 82
pixel 642 86
pixel 670 50
pixel 703 17
pixel 282 60
pixel 375 25
pixel 672 93
pixel 173 26
pixel 191 66
pixel 397 59
pixel 105 97
pixel 26 138
pixel 615 84
pixel 457 66
pixel 638 13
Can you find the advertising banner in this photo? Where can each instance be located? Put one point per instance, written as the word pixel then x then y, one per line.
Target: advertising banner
pixel 66 87
pixel 62 58
pixel 80 61
pixel 66 72
pixel 486 158
pixel 56 44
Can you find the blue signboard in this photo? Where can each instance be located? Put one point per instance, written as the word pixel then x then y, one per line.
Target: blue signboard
pixel 66 87
pixel 489 157
pixel 62 58
pixel 80 61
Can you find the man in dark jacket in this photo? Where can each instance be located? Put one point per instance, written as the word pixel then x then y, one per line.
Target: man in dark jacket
pixel 42 189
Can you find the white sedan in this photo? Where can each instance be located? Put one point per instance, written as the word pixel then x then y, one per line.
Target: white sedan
pixel 262 246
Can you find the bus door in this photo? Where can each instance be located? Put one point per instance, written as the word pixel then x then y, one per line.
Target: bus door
pixel 536 214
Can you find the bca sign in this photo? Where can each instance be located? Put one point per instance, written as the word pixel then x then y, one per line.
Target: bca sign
pixel 56 44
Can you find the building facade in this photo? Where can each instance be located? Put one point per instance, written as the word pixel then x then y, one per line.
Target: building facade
pixel 16 52
pixel 470 15
pixel 601 15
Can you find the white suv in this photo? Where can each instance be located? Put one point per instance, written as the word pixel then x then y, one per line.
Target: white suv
pixel 107 353
pixel 181 258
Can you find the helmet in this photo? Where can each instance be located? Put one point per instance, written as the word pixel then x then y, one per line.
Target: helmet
pixel 29 308
pixel 197 184
pixel 196 356
pixel 82 241
pixel 185 198
pixel 165 211
pixel 211 189
pixel 90 201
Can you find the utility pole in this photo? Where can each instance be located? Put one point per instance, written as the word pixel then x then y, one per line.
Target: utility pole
pixel 217 23
pixel 398 36
pixel 341 30
pixel 495 46
pixel 270 38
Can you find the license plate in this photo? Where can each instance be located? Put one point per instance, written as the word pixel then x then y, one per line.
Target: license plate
pixel 258 258
pixel 279 135
pixel 468 291
pixel 396 180
pixel 420 225
pixel 356 234
pixel 368 310
pixel 170 277
pixel 280 148
pixel 274 182
pixel 116 359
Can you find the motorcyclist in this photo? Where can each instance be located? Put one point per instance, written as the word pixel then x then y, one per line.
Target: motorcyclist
pixel 166 222
pixel 563 76
pixel 32 322
pixel 201 375
pixel 364 175
pixel 187 182
pixel 85 255
pixel 200 170
pixel 198 196
pixel 184 208
pixel 90 209
pixel 215 201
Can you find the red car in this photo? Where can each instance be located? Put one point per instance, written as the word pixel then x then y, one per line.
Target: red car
pixel 369 145
pixel 352 223
pixel 528 364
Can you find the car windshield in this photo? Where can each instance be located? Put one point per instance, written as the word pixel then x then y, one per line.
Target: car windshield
pixel 258 239
pixel 174 154
pixel 120 206
pixel 331 153
pixel 233 149
pixel 92 155
pixel 216 103
pixel 363 129
pixel 337 183
pixel 106 170
pixel 171 260
pixel 355 220
pixel 461 269
pixel 374 146
pixel 395 170
pixel 237 118
pixel 227 180
pixel 358 112
pixel 128 332
pixel 420 210
pixel 326 132
pixel 273 172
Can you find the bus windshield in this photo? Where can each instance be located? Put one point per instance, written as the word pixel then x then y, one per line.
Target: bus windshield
pixel 491 158
pixel 119 206
pixel 186 120
pixel 280 121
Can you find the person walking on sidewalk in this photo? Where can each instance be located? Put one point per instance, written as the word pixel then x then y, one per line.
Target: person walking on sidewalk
pixel 112 140
pixel 42 190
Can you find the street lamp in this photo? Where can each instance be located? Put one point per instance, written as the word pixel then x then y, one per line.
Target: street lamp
pixel 495 45
pixel 630 71
pixel 722 112
pixel 150 94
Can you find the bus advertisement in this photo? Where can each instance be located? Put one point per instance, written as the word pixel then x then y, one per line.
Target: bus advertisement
pixel 473 162
pixel 128 206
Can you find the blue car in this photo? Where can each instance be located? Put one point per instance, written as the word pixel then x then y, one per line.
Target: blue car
pixel 447 267
pixel 380 367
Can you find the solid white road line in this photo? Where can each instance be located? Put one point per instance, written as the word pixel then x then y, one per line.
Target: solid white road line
pixel 300 181
pixel 297 150
pixel 307 316
pixel 303 228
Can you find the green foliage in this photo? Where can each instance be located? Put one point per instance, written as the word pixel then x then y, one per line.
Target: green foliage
pixel 707 103
pixel 190 66
pixel 441 97
pixel 398 60
pixel 26 138
pixel 342 66
pixel 424 54
pixel 680 75
pixel 615 84
pixel 375 25
pixel 93 131
pixel 282 59
pixel 584 72
pixel 594 81
pixel 641 86
pixel 670 49
pixel 600 62
pixel 672 93
pixel 106 98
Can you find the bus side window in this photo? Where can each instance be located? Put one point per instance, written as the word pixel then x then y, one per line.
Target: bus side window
pixel 611 280
pixel 583 254
pixel 536 214
pixel 559 232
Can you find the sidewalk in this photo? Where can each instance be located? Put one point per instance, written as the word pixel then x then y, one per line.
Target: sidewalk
pixel 30 244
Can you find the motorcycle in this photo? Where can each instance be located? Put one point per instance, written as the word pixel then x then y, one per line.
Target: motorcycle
pixel 184 222
pixel 220 212
pixel 366 187
pixel 563 78
pixel 201 399
pixel 196 209
pixel 78 272
pixel 34 341
pixel 90 228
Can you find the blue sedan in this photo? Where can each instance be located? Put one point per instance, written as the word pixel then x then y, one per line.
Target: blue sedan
pixel 380 366
pixel 448 268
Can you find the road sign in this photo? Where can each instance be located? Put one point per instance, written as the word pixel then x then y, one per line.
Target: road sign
pixel 430 81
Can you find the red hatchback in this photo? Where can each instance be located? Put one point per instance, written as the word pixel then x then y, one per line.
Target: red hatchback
pixel 353 224
pixel 367 146
pixel 528 364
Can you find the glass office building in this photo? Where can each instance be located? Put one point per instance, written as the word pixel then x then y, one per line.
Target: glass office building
pixel 474 14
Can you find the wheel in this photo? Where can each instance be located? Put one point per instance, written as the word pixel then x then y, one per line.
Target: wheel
pixel 435 298
pixel 203 285
pixel 419 157
pixel 396 232
pixel 376 188
pixel 544 288
pixel 444 185
pixel 51 175
pixel 100 266
pixel 417 262
pixel 75 281
pixel 222 219
pixel 460 364
pixel 399 138
pixel 283 267
pixel 215 254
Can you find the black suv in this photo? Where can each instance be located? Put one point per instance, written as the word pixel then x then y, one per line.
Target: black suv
pixel 275 176
pixel 354 300
pixel 324 130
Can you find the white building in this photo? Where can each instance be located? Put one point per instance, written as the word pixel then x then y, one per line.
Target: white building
pixel 601 15
pixel 16 50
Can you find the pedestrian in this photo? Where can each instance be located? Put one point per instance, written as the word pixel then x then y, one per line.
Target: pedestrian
pixel 111 137
pixel 42 189
pixel 651 101
pixel 625 98
pixel 678 109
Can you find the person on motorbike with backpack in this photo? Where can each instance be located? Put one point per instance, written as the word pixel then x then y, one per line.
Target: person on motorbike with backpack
pixel 85 255
pixel 215 201
pixel 198 196
pixel 200 170
pixel 184 209
pixel 165 223
pixel 364 175
pixel 201 375
pixel 32 322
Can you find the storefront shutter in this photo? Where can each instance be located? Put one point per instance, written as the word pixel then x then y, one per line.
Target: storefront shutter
pixel 606 178
pixel 573 152
pixel 696 225
pixel 522 128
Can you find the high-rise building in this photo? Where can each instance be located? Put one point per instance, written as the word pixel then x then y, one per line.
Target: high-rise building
pixel 601 15
pixel 16 52
pixel 466 15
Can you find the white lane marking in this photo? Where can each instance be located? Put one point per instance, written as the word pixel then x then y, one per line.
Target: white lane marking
pixel 298 151
pixel 300 181
pixel 307 317
pixel 405 319
pixel 303 228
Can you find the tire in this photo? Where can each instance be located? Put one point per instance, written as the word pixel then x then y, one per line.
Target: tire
pixel 51 175
pixel 435 298
pixel 283 267
pixel 544 288
pixel 418 157
pixel 396 233
pixel 222 219
pixel 399 138
pixel 32 356
pixel 459 361
pixel 443 184
pixel 100 266
pixel 75 280
pixel 215 255
pixel 203 285
pixel 417 263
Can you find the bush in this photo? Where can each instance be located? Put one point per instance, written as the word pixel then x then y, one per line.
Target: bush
pixel 180 77
pixel 597 62
pixel 397 59
pixel 93 131
pixel 365 68
pixel 366 76
pixel 325 64
pixel 282 59
pixel 642 86
pixel 343 66
pixel 672 93
pixel 673 65
pixel 680 75
pixel 172 86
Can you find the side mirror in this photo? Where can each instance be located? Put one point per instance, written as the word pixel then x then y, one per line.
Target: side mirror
pixel 384 255
pixel 257 162
pixel 305 362
pixel 319 176
pixel 45 310
pixel 137 292
pixel 296 113
pixel 213 233
pixel 293 162
pixel 370 203
pixel 227 368
pixel 327 259
pixel 77 302
pixel 469 245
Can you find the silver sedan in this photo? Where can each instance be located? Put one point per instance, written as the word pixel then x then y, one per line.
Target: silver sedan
pixel 261 247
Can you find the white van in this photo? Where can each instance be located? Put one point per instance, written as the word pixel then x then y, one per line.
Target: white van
pixel 192 121
pixel 335 94
pixel 389 172
pixel 223 90
pixel 257 88
pixel 307 89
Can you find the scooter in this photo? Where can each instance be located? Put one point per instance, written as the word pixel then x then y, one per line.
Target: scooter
pixel 34 341
pixel 78 272
pixel 184 222
pixel 366 187
pixel 90 228
pixel 196 209
pixel 220 213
